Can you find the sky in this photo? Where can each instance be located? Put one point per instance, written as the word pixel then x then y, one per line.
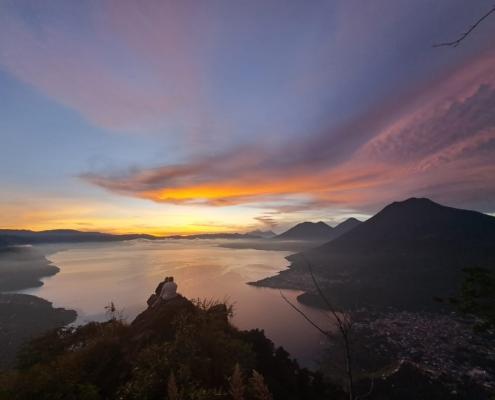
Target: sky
pixel 176 117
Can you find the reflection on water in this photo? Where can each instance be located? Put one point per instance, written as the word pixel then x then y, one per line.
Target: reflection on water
pixel 126 273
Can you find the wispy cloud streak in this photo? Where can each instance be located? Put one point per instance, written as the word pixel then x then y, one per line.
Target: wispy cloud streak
pixel 429 142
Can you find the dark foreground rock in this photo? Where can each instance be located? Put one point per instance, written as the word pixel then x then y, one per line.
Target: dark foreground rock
pixel 194 346
pixel 151 325
pixel 193 342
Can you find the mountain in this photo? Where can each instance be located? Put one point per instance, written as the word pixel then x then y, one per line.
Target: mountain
pixel 261 234
pixel 407 254
pixel 62 236
pixel 307 231
pixel 17 237
pixel 344 227
pixel 318 231
pixel 419 225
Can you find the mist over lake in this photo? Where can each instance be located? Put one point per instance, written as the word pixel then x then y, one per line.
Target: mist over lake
pixel 93 275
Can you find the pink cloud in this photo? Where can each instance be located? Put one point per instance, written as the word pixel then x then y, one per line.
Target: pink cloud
pixel 118 84
pixel 437 144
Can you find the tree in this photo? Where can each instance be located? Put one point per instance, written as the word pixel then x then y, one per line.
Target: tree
pixel 477 297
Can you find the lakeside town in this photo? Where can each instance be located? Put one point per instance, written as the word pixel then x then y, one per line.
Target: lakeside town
pixel 444 346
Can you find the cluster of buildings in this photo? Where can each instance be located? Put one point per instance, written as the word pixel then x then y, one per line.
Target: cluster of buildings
pixel 443 345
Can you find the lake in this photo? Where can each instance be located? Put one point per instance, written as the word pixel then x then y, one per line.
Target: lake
pixel 92 275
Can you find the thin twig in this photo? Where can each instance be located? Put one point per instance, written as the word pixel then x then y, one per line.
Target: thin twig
pixel 456 43
pixel 303 314
pixel 344 326
pixel 368 393
pixel 323 297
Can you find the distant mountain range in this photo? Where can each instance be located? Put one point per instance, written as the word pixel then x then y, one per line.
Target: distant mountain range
pixel 250 235
pixel 262 234
pixel 19 237
pixel 15 237
pixel 407 254
pixel 318 231
pixel 308 231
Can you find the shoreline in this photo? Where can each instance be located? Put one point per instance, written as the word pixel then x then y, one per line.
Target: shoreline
pixel 24 316
pixel 439 342
pixel 23 267
pixel 295 246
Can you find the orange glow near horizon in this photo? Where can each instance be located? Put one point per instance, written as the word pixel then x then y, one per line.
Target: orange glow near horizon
pixel 347 184
pixel 227 192
pixel 216 207
pixel 135 216
pixel 119 227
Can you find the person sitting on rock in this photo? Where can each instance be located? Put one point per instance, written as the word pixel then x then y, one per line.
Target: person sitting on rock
pixel 169 289
pixel 156 298
pixel 158 290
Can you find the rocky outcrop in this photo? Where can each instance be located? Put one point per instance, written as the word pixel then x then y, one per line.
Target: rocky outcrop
pixel 156 322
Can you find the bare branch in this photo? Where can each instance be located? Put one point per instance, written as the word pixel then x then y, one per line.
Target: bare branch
pixel 368 393
pixel 303 314
pixel 344 325
pixel 329 305
pixel 456 43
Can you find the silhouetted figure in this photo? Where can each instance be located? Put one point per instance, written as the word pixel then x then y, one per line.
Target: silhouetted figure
pixel 169 289
pixel 166 290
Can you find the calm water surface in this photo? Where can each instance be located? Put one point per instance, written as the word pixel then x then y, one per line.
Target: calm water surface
pixel 127 273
